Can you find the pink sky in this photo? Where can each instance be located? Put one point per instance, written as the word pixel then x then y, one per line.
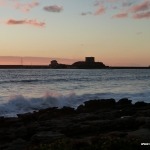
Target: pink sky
pixel 116 32
pixel 9 60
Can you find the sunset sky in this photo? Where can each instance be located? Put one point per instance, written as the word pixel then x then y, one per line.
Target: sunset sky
pixel 116 32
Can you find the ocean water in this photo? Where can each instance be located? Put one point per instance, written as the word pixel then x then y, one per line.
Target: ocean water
pixel 27 90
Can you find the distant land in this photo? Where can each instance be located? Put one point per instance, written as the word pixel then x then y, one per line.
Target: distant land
pixel 36 61
pixel 58 63
pixel 29 60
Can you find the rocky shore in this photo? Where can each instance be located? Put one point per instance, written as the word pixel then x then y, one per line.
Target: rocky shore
pixel 96 125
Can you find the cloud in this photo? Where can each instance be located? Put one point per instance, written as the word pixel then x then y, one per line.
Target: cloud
pixel 141 11
pixel 141 7
pixel 121 15
pixel 12 22
pixel 25 7
pixel 86 13
pixel 100 10
pixel 53 8
pixel 142 15
pixel 97 3
pixel 137 10
pixel 15 4
pixel 20 22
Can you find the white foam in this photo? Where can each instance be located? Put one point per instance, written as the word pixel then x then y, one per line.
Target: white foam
pixel 19 104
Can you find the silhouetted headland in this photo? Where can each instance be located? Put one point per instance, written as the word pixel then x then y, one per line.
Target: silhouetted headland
pixel 89 63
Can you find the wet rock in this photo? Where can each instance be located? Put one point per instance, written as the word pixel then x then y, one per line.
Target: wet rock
pixel 67 110
pixel 144 133
pixel 145 120
pixel 46 137
pixel 115 120
pixel 21 132
pixel 126 112
pixel 118 134
pixel 126 123
pixel 17 144
pixel 140 104
pixel 27 117
pixel 124 102
pixel 94 105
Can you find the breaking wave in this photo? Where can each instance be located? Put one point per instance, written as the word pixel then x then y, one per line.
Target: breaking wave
pixel 19 104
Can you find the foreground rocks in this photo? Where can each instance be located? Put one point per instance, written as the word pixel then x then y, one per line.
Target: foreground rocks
pixel 95 125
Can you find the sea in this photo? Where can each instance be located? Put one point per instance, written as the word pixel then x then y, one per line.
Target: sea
pixel 28 90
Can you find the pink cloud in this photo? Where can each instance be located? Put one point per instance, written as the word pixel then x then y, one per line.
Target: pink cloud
pixel 141 7
pixel 100 10
pixel 35 23
pixel 142 15
pixel 12 22
pixel 30 22
pixel 121 15
pixel 25 7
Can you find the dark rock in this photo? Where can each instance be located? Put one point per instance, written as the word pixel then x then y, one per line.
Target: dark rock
pixel 124 102
pixel 67 110
pixel 27 117
pixel 2 118
pixel 126 123
pixel 125 112
pixel 94 105
pixel 46 137
pixel 118 134
pixel 105 118
pixel 145 121
pixel 51 113
pixel 17 144
pixel 140 104
pixel 144 133
pixel 21 132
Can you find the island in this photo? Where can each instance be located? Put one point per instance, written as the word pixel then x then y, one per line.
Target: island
pixel 89 63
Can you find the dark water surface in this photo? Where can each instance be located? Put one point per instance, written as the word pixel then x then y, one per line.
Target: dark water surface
pixel 31 89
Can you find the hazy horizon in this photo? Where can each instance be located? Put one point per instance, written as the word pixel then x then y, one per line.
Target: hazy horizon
pixel 115 32
pixel 30 60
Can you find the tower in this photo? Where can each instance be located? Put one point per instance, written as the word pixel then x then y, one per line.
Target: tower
pixel 89 59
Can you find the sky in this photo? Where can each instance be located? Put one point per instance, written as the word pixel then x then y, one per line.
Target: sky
pixel 115 32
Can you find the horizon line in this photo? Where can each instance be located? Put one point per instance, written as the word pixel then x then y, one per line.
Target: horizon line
pixel 43 61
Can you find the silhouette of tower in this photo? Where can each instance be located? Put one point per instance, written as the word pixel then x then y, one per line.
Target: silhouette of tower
pixel 89 59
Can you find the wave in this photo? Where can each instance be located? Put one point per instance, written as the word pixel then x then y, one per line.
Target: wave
pixel 37 80
pixel 20 81
pixel 19 104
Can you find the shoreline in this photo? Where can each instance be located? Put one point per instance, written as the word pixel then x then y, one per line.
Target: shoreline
pixel 120 124
pixel 48 67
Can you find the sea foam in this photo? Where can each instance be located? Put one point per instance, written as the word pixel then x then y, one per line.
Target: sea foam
pixel 18 104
